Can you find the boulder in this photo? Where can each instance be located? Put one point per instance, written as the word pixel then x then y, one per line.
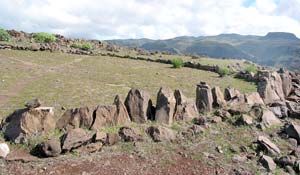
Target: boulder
pixel 77 118
pixel 160 134
pixel 288 160
pixel 286 78
pixel 204 98
pixel 254 98
pixel 237 105
pixel 230 92
pixel 218 97
pixel 268 163
pixel 270 87
pixel 28 122
pixel 165 106
pixel 35 103
pixel 279 110
pixel 139 105
pixel 268 146
pixel 269 119
pixel 51 148
pixel 185 109
pixel 293 109
pixel 4 150
pixel 293 131
pixel 129 135
pixel 75 138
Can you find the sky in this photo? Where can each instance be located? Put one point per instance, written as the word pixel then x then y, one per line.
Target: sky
pixel 154 19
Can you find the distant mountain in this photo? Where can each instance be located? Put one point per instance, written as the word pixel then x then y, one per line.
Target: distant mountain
pixel 277 49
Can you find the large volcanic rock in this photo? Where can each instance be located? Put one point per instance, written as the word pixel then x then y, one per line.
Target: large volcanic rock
pixel 204 98
pixel 165 106
pixel 268 146
pixel 254 98
pixel 186 109
pixel 230 93
pixel 139 105
pixel 28 122
pixel 121 117
pixel 160 134
pixel 270 87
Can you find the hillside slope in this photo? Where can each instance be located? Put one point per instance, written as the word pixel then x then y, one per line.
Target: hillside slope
pixel 275 49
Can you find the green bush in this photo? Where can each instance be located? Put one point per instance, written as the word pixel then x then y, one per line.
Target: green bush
pixel 251 68
pixel 177 63
pixel 223 71
pixel 83 46
pixel 4 35
pixel 44 37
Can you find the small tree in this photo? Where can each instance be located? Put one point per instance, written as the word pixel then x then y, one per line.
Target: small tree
pixel 177 63
pixel 4 35
pixel 83 46
pixel 44 37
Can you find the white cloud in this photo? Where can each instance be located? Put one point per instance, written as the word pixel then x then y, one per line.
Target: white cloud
pixel 158 19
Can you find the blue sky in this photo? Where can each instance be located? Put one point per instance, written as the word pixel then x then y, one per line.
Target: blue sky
pixel 156 19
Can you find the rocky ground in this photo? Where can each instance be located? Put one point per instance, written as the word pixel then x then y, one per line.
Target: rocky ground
pixel 215 132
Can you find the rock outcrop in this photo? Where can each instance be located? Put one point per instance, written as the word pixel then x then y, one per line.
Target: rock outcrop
pixel 139 105
pixel 204 98
pixel 287 85
pixel 165 106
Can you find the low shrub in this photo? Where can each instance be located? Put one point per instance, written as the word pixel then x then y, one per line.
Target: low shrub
pixel 83 46
pixel 251 68
pixel 177 63
pixel 4 35
pixel 44 37
pixel 223 71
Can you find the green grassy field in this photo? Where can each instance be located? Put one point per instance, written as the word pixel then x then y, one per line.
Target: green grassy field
pixel 71 80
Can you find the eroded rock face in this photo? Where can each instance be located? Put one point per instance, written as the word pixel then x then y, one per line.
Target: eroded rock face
pixel 165 106
pixel 160 134
pixel 204 98
pixel 185 109
pixel 218 97
pixel 28 122
pixel 269 146
pixel 270 87
pixel 139 105
pixel 75 138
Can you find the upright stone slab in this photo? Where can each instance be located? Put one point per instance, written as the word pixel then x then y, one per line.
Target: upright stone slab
pixel 218 97
pixel 204 99
pixel 121 117
pixel 186 109
pixel 165 106
pixel 139 104
pixel 286 82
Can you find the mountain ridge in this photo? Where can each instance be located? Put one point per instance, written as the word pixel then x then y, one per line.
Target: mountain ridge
pixel 279 49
